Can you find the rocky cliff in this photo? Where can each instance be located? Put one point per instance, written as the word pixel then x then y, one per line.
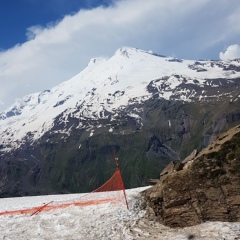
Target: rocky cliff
pixel 203 187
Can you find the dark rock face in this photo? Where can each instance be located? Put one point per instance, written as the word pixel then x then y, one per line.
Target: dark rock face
pixel 76 154
pixel 167 131
pixel 205 188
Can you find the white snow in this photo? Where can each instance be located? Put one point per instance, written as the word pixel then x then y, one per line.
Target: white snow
pixel 169 123
pixel 106 221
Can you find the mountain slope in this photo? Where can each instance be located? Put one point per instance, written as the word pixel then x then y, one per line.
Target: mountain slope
pixel 149 108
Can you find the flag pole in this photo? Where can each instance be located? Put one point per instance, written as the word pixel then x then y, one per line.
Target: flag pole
pixel 123 188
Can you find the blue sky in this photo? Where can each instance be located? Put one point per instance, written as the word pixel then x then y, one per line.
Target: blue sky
pixel 18 15
pixel 45 42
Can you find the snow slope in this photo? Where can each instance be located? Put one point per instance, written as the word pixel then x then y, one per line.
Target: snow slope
pixel 105 85
pixel 104 222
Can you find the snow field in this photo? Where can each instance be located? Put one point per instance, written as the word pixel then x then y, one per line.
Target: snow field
pixel 106 221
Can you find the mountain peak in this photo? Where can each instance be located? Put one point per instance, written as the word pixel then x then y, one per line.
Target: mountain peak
pixel 96 61
pixel 124 51
pixel 129 51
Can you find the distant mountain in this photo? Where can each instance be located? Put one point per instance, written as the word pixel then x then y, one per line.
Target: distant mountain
pixel 149 108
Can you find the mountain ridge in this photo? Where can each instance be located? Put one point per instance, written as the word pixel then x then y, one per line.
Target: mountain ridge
pixel 61 97
pixel 116 104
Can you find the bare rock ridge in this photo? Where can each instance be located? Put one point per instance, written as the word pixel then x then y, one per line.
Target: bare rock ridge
pixel 203 187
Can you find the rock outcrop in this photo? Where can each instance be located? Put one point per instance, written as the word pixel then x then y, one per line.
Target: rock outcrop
pixel 205 187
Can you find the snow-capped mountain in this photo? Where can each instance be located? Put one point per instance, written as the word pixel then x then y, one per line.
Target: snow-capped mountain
pixel 107 86
pixel 118 96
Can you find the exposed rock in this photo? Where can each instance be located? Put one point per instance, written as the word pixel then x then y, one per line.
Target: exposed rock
pixel 207 190
pixel 173 166
pixel 154 181
pixel 191 156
